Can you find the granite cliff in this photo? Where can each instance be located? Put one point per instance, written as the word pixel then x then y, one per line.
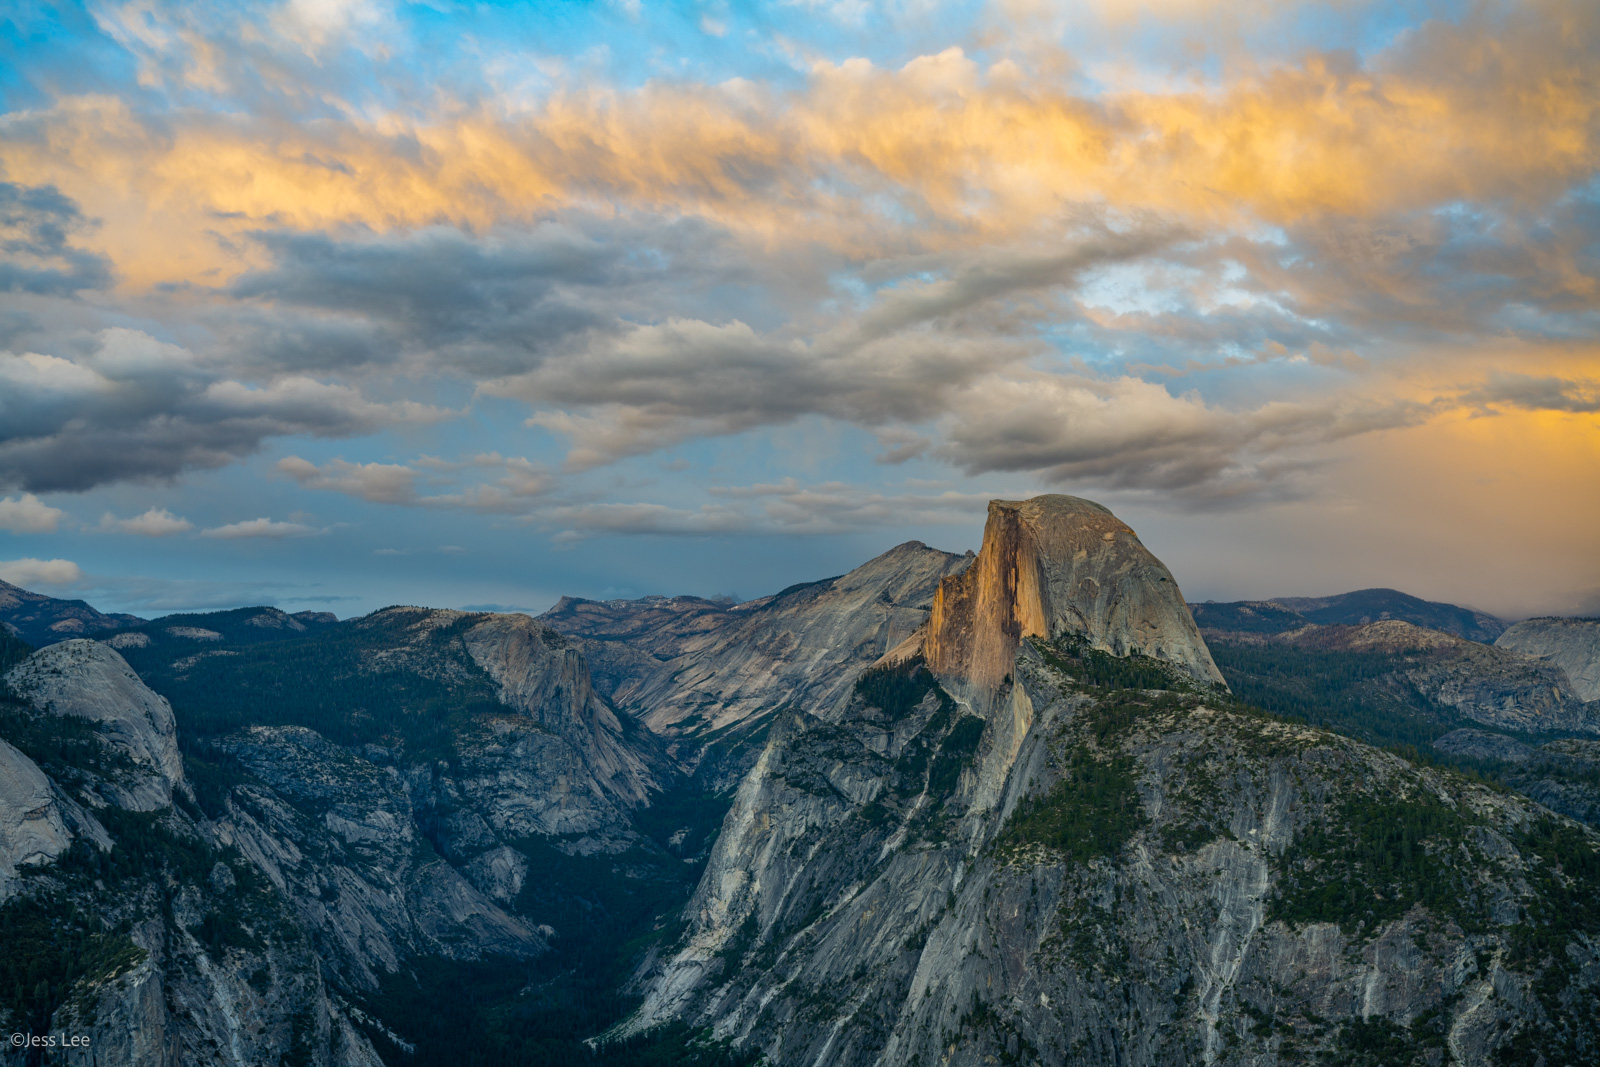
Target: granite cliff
pixel 1050 567
pixel 1573 645
pixel 1091 853
pixel 260 894
pixel 711 675
pixel 984 808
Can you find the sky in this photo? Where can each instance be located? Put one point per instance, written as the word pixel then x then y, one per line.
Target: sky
pixel 334 304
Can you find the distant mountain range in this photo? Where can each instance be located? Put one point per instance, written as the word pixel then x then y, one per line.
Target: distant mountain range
pixel 1012 806
pixel 41 620
pixel 1363 606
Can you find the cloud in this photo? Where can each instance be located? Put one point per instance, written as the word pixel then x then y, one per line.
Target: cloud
pixel 261 528
pixel 387 483
pixel 937 150
pixel 143 594
pixel 975 257
pixel 520 482
pixel 1530 393
pixel 135 408
pixel 787 508
pixel 30 572
pixel 29 514
pixel 582 520
pixel 156 522
pixel 1129 434
pixel 36 224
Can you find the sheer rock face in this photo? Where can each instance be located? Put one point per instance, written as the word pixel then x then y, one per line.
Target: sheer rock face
pixel 32 830
pixel 542 676
pixel 1023 867
pixel 336 835
pixel 869 906
pixel 707 666
pixel 557 761
pixel 1571 644
pixel 89 680
pixel 1051 566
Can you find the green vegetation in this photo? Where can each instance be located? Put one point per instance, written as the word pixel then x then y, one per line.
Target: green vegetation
pixel 149 850
pixel 955 752
pixel 607 910
pixel 13 650
pixel 1381 1042
pixel 1090 812
pixel 331 681
pixel 898 688
pixel 1565 908
pixel 1359 694
pixel 50 950
pixel 1094 669
pixel 64 746
pixel 1372 860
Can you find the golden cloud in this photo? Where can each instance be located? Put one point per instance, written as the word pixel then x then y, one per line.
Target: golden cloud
pixel 936 153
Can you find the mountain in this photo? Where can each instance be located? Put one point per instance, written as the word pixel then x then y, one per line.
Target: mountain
pixel 1571 644
pixel 1095 856
pixel 1392 682
pixel 127 922
pixel 337 844
pixel 1049 566
pixel 710 675
pixel 985 808
pixel 40 620
pixel 1348 609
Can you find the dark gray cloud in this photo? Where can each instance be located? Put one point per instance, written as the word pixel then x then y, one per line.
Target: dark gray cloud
pixel 138 408
pixel 36 251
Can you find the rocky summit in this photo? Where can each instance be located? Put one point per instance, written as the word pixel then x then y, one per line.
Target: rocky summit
pixel 1040 833
pixel 1010 806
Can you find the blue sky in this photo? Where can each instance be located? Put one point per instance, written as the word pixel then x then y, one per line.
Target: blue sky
pixel 342 304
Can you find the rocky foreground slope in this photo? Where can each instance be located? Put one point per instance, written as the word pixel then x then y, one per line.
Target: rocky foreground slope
pixel 354 804
pixel 1099 858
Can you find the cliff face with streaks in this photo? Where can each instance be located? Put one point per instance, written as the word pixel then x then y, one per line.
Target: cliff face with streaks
pixel 1573 645
pixel 1079 854
pixel 244 913
pixel 710 676
pixel 1050 567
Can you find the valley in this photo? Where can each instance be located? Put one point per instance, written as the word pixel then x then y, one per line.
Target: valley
pixel 1022 805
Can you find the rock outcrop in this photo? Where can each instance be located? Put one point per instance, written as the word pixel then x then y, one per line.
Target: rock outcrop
pixel 1571 644
pixel 694 669
pixel 1054 566
pixel 32 831
pixel 91 681
pixel 337 836
pixel 236 915
pixel 1563 775
pixel 1073 868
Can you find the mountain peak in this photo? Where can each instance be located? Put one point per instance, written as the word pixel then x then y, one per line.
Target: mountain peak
pixel 1050 566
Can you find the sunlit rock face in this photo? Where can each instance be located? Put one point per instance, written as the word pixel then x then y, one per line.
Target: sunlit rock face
pixel 1054 566
pixel 1571 644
